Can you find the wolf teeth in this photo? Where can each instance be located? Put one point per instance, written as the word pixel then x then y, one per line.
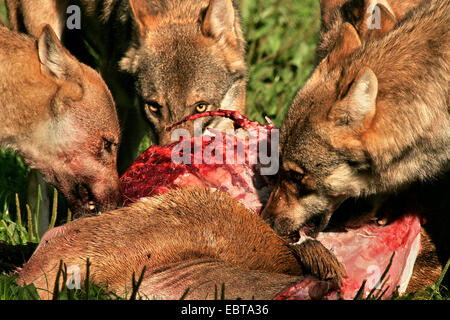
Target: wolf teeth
pixel 92 206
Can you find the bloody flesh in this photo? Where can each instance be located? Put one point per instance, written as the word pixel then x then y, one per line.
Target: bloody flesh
pixel 365 251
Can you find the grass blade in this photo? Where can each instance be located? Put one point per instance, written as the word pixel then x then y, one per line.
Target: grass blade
pixel 222 293
pixel 54 209
pixel 87 287
pixel 185 294
pixel 56 290
pixel 64 282
pixel 444 272
pixel 30 224
pixel 9 233
pixel 19 214
pixel 382 294
pixel 137 284
pixel 38 211
pixel 360 294
pixel 383 276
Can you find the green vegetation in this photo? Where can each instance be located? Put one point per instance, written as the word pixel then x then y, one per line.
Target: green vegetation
pixel 9 290
pixel 3 19
pixel 13 179
pixel 282 36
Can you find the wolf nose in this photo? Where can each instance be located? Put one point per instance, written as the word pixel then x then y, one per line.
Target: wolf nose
pixel 284 226
pixel 107 199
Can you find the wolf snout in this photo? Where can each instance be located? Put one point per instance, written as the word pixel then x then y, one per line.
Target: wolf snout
pixel 95 199
pixel 285 226
pixel 280 215
pixel 278 221
pixel 290 224
pixel 107 197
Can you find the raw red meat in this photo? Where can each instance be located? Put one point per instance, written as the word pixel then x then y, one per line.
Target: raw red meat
pixel 365 252
pixel 154 172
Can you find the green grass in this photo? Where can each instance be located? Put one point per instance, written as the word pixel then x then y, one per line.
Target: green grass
pixel 13 178
pixel 282 36
pixel 3 19
pixel 10 290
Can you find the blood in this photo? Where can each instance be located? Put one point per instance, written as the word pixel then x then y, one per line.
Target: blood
pixel 365 251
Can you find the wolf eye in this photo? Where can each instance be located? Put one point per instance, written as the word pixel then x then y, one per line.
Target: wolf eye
pixel 201 107
pixel 153 107
pixel 296 176
pixel 107 145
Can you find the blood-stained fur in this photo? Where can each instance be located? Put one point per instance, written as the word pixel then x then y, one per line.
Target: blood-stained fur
pixel 60 116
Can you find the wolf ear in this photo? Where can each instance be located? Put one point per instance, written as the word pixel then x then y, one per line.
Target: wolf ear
pixel 54 58
pixel 219 18
pixel 359 106
pixel 372 18
pixel 347 42
pixel 379 20
pixel 326 7
pixel 59 64
pixel 144 15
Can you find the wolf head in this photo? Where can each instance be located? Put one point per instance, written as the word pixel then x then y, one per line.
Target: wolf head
pixel 76 146
pixel 323 161
pixel 189 59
